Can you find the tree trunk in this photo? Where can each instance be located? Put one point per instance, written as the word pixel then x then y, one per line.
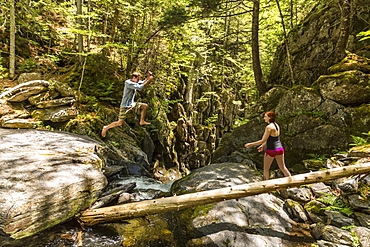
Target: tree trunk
pixel 89 10
pixel 12 40
pixel 344 30
pixel 80 36
pixel 258 76
pixel 286 43
pixel 130 41
pixel 114 25
pixel 162 205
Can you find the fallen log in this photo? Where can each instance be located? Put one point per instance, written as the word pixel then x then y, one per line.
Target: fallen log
pixel 162 205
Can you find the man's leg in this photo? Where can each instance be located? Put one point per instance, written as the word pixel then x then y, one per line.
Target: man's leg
pixel 109 126
pixel 121 118
pixel 144 108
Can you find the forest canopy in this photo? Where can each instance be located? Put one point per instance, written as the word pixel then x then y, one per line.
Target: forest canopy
pixel 179 40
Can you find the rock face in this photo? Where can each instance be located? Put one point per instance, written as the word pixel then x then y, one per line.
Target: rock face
pixel 293 217
pixel 251 221
pixel 314 120
pixel 32 102
pixel 312 43
pixel 46 178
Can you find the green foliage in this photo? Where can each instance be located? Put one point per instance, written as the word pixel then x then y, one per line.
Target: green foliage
pixel 211 120
pixel 318 157
pixel 28 65
pixel 99 79
pixel 359 141
pixel 166 104
pixel 313 114
pixel 356 241
pixel 365 35
pixel 334 203
pixel 241 121
pixel 174 16
pixel 348 227
pixel 363 190
pixel 42 126
pixel 2 69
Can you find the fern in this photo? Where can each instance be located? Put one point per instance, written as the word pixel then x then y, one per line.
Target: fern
pixel 360 141
pixel 334 203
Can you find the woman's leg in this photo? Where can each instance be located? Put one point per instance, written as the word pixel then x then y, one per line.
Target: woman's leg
pixel 281 163
pixel 267 161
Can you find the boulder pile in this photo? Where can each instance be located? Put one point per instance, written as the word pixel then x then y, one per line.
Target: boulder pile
pixel 28 103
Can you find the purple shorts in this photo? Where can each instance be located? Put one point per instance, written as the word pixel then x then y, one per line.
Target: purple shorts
pixel 274 152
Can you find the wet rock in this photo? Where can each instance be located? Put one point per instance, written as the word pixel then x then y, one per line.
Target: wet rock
pixel 46 178
pixel 312 51
pixel 25 77
pixel 34 100
pixel 346 88
pixel 30 84
pixel 125 198
pixel 362 219
pixel 360 151
pixel 319 189
pixel 314 165
pixel 297 194
pixel 315 211
pixel 236 222
pixel 19 123
pixel 338 219
pixel 332 234
pixel 63 89
pixel 363 235
pixel 41 94
pixel 330 164
pixel 309 100
pixel 202 180
pixel 323 243
pixel 59 114
pixel 359 203
pixel 349 185
pixel 352 62
pixel 55 102
pixel 26 93
pixel 296 211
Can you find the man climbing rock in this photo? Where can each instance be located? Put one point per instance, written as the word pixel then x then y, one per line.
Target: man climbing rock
pixel 128 101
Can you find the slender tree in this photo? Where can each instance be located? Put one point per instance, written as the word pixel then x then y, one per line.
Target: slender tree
pixel 12 40
pixel 346 7
pixel 79 35
pixel 258 76
pixel 286 43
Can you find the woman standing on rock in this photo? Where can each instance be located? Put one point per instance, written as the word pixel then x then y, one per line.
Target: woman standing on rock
pixel 274 148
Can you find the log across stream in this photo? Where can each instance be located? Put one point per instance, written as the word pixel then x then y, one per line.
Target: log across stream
pixel 161 205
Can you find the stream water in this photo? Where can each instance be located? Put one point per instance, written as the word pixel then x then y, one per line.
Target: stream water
pixel 148 231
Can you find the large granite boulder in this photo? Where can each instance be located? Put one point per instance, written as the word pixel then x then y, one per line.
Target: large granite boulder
pixel 31 103
pixel 346 88
pixel 312 43
pixel 251 221
pixel 46 178
pixel 310 123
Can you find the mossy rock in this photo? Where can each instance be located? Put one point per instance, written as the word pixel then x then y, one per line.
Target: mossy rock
pixel 315 207
pixel 352 62
pixel 360 151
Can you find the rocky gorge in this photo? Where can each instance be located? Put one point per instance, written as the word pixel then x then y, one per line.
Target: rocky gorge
pixel 58 181
pixel 40 191
pixel 48 177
